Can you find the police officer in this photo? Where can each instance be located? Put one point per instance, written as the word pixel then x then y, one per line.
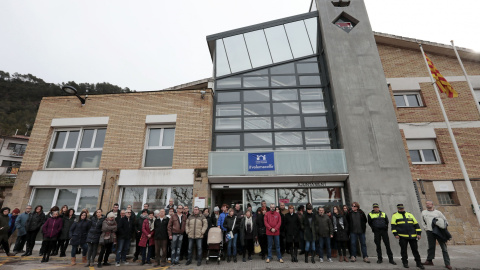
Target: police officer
pixel 405 227
pixel 378 221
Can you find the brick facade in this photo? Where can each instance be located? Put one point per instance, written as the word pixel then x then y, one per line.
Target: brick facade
pixel 125 137
pixel 405 63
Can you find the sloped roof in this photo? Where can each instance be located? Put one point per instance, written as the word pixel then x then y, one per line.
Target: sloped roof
pixel 433 47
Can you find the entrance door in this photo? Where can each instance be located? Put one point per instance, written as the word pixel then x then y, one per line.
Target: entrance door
pixel 227 196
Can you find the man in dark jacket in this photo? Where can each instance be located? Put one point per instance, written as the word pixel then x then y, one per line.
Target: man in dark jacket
pixel 357 220
pixel 406 228
pixel 138 232
pixel 34 223
pixel 161 238
pixel 325 233
pixel 378 221
pixel 125 230
pixel 21 224
pixel 309 232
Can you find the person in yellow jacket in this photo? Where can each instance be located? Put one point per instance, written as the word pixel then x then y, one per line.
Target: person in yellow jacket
pixel 406 228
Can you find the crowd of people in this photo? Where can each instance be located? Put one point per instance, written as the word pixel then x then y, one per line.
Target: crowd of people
pixel 170 234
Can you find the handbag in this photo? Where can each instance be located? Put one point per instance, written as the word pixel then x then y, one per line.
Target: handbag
pixel 230 233
pixel 257 249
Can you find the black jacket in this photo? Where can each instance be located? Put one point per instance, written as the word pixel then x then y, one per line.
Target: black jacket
pixel 138 225
pixel 79 232
pixel 67 223
pixel 213 220
pixel 125 228
pixel 161 229
pixel 35 221
pixel 378 221
pixel 309 229
pixel 260 222
pixel 292 227
pixel 340 233
pixel 363 220
pixel 228 224
pixel 95 229
pixel 243 231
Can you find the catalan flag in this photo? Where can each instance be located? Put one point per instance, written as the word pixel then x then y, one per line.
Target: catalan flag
pixel 442 83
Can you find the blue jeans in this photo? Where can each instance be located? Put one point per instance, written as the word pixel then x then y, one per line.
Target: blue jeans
pixel 308 245
pixel 275 238
pixel 146 256
pixel 353 244
pixel 232 244
pixel 176 247
pixel 123 245
pixel 84 247
pixel 324 241
pixel 198 242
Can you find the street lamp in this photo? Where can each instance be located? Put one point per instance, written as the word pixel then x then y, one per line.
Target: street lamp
pixel 73 92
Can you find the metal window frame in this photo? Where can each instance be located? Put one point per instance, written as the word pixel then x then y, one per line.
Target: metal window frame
pixel 147 138
pixel 77 148
pixel 145 193
pixel 55 196
pixel 422 157
pixel 407 103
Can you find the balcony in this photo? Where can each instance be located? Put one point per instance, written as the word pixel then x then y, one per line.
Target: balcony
pixel 290 166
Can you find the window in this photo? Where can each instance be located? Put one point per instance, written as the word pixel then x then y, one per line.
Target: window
pixel 159 149
pixel 446 198
pixel 156 197
pixel 412 99
pixel 76 198
pixel 423 151
pixel 477 93
pixel 76 148
pixel 17 149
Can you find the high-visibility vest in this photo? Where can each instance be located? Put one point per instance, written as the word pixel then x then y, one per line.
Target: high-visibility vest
pixel 405 225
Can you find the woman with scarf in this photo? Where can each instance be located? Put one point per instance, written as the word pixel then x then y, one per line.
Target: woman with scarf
pixel 107 239
pixel 340 228
pixel 62 244
pixel 34 223
pixel 261 230
pixel 248 234
pixel 78 235
pixel 147 241
pixel 93 236
pixel 51 230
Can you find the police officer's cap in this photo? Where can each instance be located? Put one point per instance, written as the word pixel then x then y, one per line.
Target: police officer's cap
pixel 400 206
pixel 375 205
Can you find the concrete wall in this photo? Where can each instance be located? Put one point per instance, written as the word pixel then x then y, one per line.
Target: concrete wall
pixel 378 166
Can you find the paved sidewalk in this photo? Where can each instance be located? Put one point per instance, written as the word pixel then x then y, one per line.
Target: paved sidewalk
pixel 462 257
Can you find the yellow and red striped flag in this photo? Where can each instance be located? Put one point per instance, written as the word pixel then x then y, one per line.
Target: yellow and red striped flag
pixel 442 83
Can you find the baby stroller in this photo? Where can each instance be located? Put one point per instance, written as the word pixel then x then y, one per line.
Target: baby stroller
pixel 214 244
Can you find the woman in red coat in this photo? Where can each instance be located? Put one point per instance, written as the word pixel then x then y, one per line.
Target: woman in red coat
pixel 146 240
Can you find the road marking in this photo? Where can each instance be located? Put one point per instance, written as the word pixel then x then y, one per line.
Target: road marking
pixel 50 267
pixel 157 268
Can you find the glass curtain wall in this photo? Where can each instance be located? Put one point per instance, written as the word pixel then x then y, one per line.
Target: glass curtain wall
pixel 324 197
pixel 283 106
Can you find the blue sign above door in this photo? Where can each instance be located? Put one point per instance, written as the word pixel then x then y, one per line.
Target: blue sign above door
pixel 261 162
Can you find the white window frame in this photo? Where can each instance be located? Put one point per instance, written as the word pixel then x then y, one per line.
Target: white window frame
pixel 477 93
pixel 407 104
pixel 147 138
pixel 422 157
pixel 46 209
pixel 76 149
pixel 145 193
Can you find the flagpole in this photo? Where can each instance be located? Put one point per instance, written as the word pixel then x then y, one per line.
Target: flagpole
pixel 454 142
pixel 466 77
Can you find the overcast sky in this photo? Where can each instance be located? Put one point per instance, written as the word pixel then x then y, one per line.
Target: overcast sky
pixel 155 44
